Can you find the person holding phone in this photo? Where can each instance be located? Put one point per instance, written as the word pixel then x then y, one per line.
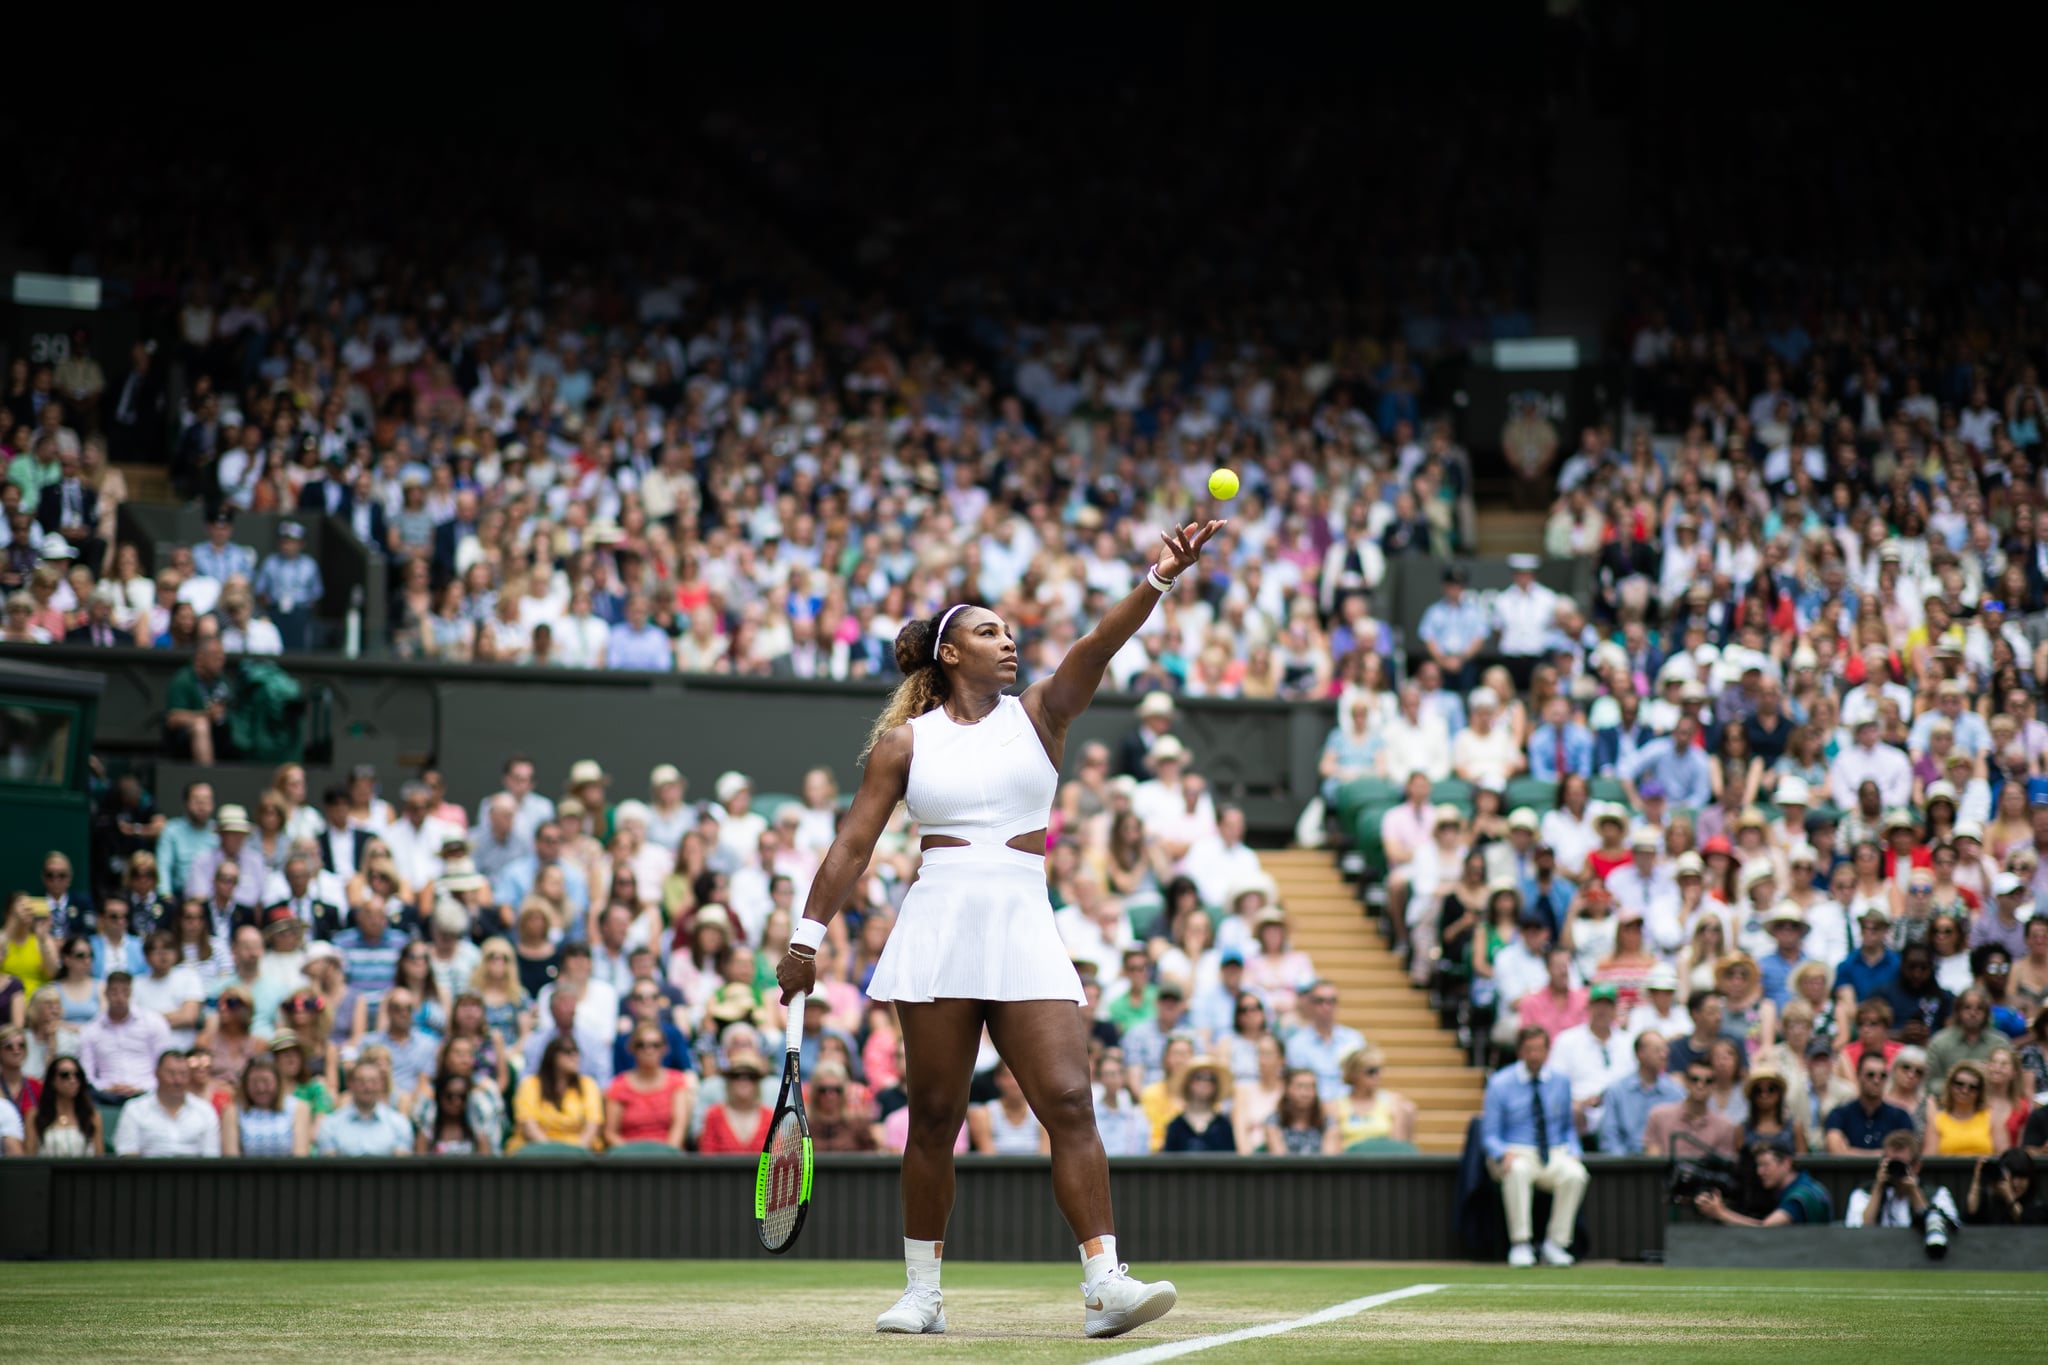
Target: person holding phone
pixel 28 948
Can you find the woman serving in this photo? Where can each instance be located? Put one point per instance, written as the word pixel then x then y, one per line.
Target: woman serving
pixel 975 943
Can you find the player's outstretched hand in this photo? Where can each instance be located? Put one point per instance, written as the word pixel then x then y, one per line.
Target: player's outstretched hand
pixel 1184 546
pixel 795 974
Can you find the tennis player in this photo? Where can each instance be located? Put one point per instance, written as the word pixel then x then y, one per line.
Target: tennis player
pixel 975 943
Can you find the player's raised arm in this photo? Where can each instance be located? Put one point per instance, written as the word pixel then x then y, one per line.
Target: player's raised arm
pixel 1073 685
pixel 882 785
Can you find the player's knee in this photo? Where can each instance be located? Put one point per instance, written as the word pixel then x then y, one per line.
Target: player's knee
pixel 1069 1109
pixel 933 1126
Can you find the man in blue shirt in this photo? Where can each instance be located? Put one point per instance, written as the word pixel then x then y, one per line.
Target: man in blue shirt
pixel 514 883
pixel 1560 744
pixel 1863 1123
pixel 1322 1044
pixel 414 1051
pixel 219 558
pixel 636 644
pixel 1788 929
pixel 1678 764
pixel 1454 630
pixel 1625 1108
pixel 290 583
pixel 1532 1143
pixel 1873 966
pixel 365 1126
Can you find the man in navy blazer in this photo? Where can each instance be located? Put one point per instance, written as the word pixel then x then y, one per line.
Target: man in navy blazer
pixel 1532 1144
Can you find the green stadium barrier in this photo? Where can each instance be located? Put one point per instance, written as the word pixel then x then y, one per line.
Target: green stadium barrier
pixel 644 1149
pixel 1608 789
pixel 1384 1146
pixel 1538 794
pixel 550 1149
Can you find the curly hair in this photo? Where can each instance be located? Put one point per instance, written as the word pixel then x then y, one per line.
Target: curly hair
pixel 924 686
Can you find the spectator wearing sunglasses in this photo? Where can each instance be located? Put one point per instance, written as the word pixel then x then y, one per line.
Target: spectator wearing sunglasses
pixel 1969 1036
pixel 645 1007
pixel 71 910
pixel 1324 1043
pixel 834 1127
pixel 649 1100
pixel 64 1123
pixel 1862 1124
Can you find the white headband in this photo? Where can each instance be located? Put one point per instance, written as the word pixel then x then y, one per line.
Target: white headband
pixel 940 633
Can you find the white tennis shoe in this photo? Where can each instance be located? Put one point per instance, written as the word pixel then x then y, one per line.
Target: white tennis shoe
pixel 921 1310
pixel 1553 1254
pixel 1116 1303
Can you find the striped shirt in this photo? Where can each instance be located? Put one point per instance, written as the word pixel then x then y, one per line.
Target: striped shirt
pixel 371 967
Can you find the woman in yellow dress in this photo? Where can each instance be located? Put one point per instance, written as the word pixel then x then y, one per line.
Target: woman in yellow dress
pixel 559 1103
pixel 1961 1124
pixel 1368 1111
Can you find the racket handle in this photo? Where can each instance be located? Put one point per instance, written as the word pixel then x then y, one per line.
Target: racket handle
pixel 796 1023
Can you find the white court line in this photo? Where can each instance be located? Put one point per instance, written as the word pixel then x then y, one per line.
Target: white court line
pixel 1350 1308
pixel 1549 1286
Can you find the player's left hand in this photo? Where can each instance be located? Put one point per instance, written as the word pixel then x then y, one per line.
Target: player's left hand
pixel 1184 546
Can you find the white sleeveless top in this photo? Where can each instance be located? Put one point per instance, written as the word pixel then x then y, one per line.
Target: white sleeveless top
pixel 985 783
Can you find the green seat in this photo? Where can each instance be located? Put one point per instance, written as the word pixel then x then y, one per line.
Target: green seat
pixel 766 804
pixel 1356 795
pixel 550 1149
pixel 1538 794
pixel 1383 1146
pixel 641 1149
pixel 1608 789
pixel 1365 833
pixel 1453 791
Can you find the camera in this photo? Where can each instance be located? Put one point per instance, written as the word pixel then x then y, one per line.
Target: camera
pixel 1936 1234
pixel 1689 1179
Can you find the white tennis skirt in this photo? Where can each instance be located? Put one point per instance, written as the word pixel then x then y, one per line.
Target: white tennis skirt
pixel 976 926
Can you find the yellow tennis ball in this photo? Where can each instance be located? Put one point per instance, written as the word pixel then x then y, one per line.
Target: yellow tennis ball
pixel 1223 484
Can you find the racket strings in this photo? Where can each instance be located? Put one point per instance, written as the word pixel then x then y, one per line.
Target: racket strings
pixel 785 1181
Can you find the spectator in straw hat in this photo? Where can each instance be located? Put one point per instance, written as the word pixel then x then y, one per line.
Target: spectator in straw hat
pixel 236 848
pixel 740 826
pixel 1201 1093
pixel 1155 718
pixel 1786 924
pixel 588 783
pixel 669 817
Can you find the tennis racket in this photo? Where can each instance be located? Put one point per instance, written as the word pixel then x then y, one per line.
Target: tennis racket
pixel 782 1185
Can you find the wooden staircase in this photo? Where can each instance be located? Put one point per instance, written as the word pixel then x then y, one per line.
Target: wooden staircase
pixel 1424 1062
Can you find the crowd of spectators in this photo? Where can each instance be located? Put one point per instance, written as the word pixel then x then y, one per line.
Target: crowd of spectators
pixel 370 971
pixel 1759 858
pixel 633 457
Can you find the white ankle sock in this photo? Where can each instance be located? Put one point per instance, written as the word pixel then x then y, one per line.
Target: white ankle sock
pixel 1098 1262
pixel 921 1261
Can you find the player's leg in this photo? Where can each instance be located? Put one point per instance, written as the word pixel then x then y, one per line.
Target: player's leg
pixel 940 1041
pixel 1046 1044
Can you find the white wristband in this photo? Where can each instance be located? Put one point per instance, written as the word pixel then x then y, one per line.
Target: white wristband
pixel 808 933
pixel 1158 580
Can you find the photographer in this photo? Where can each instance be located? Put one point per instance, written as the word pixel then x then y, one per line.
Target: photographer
pixel 1799 1197
pixel 1901 1201
pixel 2005 1192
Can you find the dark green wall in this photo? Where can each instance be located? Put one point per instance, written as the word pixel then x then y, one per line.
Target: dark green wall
pixel 1168 1208
pixel 395 713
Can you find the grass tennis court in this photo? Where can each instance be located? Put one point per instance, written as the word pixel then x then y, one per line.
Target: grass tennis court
pixel 731 1311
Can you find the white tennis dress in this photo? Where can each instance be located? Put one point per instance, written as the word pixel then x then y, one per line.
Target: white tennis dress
pixel 978 924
